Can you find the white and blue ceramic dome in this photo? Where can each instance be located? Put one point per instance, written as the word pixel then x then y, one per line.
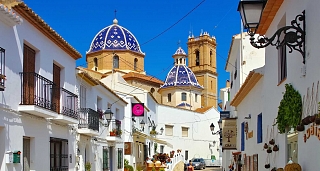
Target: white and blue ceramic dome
pixel 114 37
pixel 180 74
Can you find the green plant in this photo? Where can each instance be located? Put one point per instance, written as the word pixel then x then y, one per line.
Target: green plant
pixel 126 162
pixel 155 146
pixel 139 167
pixel 161 169
pixel 130 168
pixel 153 132
pixel 289 110
pixel 88 166
pixel 153 169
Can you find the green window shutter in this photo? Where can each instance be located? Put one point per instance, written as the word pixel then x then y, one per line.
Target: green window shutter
pixel 105 158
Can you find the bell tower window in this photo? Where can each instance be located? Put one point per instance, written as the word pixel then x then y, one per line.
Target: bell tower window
pixel 210 58
pixel 169 97
pixel 116 61
pixel 180 61
pixel 183 96
pixel 177 61
pixel 135 64
pixel 197 58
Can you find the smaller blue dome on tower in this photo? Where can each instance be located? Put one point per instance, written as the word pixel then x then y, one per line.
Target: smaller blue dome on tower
pixel 180 52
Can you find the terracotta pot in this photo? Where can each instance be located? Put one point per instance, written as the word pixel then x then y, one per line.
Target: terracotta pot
pixel 308 120
pixel 269 151
pixel 274 169
pixel 312 118
pixel 301 127
pixel 275 148
pixel 265 146
pixel 317 121
pixel 267 166
pixel 271 142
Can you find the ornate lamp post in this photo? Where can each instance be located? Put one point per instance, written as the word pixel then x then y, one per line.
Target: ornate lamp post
pixel 293 35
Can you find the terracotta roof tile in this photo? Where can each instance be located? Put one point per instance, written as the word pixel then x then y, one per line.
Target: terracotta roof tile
pixel 132 75
pixel 203 109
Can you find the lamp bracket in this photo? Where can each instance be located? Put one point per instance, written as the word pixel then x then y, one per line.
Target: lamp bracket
pixel 294 37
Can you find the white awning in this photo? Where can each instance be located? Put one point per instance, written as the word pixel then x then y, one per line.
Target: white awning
pixel 137 133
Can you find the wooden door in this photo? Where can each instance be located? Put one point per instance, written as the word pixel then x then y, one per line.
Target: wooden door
pixel 56 88
pixel 29 57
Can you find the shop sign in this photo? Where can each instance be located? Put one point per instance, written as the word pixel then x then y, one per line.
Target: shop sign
pixel 229 133
pixel 312 130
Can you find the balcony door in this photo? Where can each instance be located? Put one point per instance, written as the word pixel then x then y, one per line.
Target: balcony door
pixel 56 88
pixel 29 59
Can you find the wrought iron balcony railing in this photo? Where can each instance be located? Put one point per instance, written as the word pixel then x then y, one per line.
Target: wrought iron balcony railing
pixel 69 102
pixel 88 118
pixel 38 90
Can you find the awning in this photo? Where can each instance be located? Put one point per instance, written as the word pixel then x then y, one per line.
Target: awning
pixel 137 133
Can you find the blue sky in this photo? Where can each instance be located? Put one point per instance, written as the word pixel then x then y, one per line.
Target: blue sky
pixel 79 21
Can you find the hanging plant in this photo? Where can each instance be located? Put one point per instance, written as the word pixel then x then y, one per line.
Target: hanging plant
pixel 269 150
pixel 275 148
pixel 289 110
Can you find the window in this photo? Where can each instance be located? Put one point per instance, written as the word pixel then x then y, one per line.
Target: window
pixel 161 148
pixel 59 154
pixel 169 97
pixel 2 68
pixel 197 58
pixel 186 155
pixel 116 61
pixel 169 130
pixel 26 153
pixel 177 61
pixel 135 65
pixel 152 90
pixel 196 97
pixel 185 131
pixel 242 136
pixel 210 58
pixel 259 129
pixel 120 158
pixel 282 54
pixel 180 61
pixel 183 96
pixel 83 96
pixel 211 84
pixel 95 61
pixel 105 158
pixel 235 72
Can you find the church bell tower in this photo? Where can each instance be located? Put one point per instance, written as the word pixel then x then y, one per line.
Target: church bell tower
pixel 202 61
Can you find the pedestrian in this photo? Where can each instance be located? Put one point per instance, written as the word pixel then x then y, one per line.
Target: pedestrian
pixel 190 166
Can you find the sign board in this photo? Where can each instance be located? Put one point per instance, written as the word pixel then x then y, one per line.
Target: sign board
pixel 127 148
pixel 137 109
pixel 224 114
pixel 229 133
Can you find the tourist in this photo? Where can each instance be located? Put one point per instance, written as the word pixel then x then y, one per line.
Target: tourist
pixel 190 166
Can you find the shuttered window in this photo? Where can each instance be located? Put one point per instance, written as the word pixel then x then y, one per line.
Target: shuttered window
pixel 83 96
pixel 242 136
pixel 105 158
pixel 259 128
pixel 169 130
pixel 185 131
pixel 120 158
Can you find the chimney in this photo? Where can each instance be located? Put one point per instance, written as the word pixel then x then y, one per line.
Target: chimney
pixel 228 83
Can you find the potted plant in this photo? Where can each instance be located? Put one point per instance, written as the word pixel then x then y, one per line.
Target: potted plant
pixel 289 110
pixel 272 142
pixel 161 169
pixel 88 166
pixel 275 148
pixel 118 132
pixel 269 150
pixel 265 146
pixel 2 77
pixel 267 166
pixel 300 127
pixel 274 169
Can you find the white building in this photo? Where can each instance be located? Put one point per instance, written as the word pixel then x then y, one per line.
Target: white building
pixel 99 141
pixel 242 58
pixel 262 91
pixel 39 94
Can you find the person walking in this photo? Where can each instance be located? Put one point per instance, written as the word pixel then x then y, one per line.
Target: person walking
pixel 190 167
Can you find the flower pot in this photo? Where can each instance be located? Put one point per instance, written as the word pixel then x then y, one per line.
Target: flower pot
pixel 272 142
pixel 312 118
pixel 274 169
pixel 307 120
pixel 267 166
pixel 300 127
pixel 275 148
pixel 265 146
pixel 317 121
pixel 269 150
pixel 158 163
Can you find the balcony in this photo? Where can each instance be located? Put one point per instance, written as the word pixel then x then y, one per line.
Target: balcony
pixel 115 131
pixel 41 97
pixel 38 95
pixel 68 111
pixel 88 122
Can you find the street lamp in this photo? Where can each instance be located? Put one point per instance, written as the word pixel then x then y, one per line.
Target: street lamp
pixel 107 116
pixel 212 127
pixel 293 35
pixel 161 130
pixel 220 123
pixel 142 123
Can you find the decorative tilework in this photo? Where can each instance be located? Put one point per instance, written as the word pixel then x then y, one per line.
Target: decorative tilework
pixel 184 104
pixel 114 37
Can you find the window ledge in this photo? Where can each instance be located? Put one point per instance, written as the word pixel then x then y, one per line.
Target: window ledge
pixel 283 80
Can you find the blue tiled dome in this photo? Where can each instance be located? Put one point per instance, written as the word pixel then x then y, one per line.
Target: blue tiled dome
pixel 181 75
pixel 114 37
pixel 180 51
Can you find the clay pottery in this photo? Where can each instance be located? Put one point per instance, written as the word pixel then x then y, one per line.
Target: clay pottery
pixel 312 118
pixel 317 121
pixel 300 127
pixel 265 146
pixel 307 120
pixel 271 142
pixel 267 166
pixel 275 148
pixel 269 150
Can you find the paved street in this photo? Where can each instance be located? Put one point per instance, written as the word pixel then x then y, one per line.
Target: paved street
pixel 213 169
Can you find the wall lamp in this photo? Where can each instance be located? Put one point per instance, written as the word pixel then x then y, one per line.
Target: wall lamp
pixel 161 130
pixel 142 123
pixel 108 117
pixel 293 35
